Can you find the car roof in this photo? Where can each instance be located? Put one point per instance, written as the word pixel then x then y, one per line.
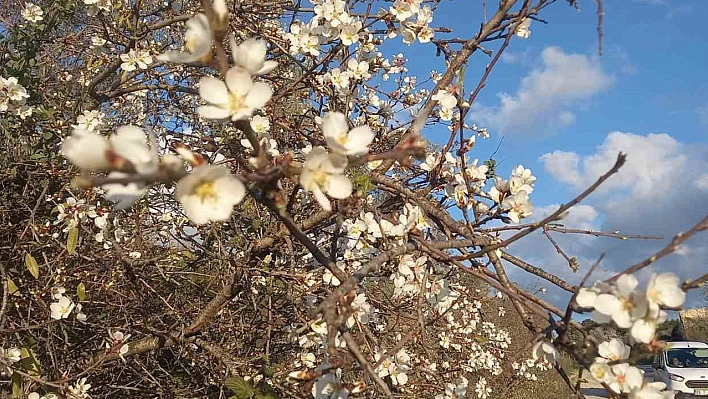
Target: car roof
pixel 686 344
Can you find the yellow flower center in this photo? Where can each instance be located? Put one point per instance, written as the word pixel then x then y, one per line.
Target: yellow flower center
pixel 236 103
pixel 206 191
pixel 320 178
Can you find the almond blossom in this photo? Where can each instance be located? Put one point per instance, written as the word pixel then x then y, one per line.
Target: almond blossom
pixel 260 124
pixel 665 290
pixel 32 13
pixel 62 308
pixel 523 30
pixel 209 193
pixel 342 140
pixel 359 69
pixel 250 55
pixel 614 350
pixel 518 205
pixel 322 174
pixel 197 42
pixel 134 59
pixel 237 98
pixel 544 350
pixel 625 378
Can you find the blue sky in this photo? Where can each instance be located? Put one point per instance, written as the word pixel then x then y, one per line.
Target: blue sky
pixel 568 111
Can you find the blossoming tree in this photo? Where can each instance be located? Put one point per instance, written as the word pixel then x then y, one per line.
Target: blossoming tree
pixel 244 190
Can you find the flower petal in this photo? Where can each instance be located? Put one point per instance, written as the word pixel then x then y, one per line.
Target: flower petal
pixel 213 90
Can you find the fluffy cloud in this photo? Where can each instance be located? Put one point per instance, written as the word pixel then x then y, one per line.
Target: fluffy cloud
pixel 540 103
pixel 662 190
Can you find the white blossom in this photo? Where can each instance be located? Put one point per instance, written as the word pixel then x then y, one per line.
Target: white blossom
pixel 250 55
pixel 322 174
pixel 32 13
pixel 523 30
pixel 342 140
pixel 209 193
pixel 235 99
pixel 135 59
pixel 197 42
pixel 62 308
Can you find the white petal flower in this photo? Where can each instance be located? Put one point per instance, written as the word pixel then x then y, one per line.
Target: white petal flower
pixel 87 150
pixel 62 308
pixel 342 140
pixel 197 41
pixel 625 378
pixel 324 173
pixel 586 298
pixel 134 59
pixel 32 13
pixel 209 193
pixel 614 350
pixel 359 70
pixel 250 55
pixel 544 350
pixel 518 205
pixel 235 99
pixel 79 390
pixel 522 30
pixel 665 290
pixel 260 125
pixel 601 372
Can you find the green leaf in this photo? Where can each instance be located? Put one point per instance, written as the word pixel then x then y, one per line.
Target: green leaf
pixel 73 240
pixel 29 362
pixel 241 388
pixel 12 288
pixel 81 292
pixel 16 385
pixel 32 265
pixel 267 395
pixel 481 339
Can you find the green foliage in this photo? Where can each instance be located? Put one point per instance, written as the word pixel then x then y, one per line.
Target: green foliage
pixel 241 388
pixel 72 240
pixel 32 265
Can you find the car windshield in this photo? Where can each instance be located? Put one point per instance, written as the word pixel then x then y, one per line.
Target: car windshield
pixel 687 358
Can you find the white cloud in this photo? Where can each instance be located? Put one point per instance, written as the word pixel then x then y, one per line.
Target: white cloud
pixel 544 95
pixel 651 162
pixel 661 191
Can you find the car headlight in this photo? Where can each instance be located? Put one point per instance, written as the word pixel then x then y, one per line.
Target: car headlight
pixel 676 377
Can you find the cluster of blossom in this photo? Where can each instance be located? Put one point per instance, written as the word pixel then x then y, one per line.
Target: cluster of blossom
pixel 89 121
pixel 455 390
pixel 640 311
pixel 13 97
pixel 343 76
pixel 32 13
pixel 331 21
pixel 96 6
pixel 409 29
pixel 62 308
pixel 135 59
pixel 9 357
pixel 117 341
pixel 323 172
pixel 511 196
pixel 72 212
pixel 394 367
pixel 611 368
pixel 525 368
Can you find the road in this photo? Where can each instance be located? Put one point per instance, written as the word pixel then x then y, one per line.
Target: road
pixel 593 390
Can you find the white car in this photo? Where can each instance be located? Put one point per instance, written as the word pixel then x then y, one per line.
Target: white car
pixel 683 367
